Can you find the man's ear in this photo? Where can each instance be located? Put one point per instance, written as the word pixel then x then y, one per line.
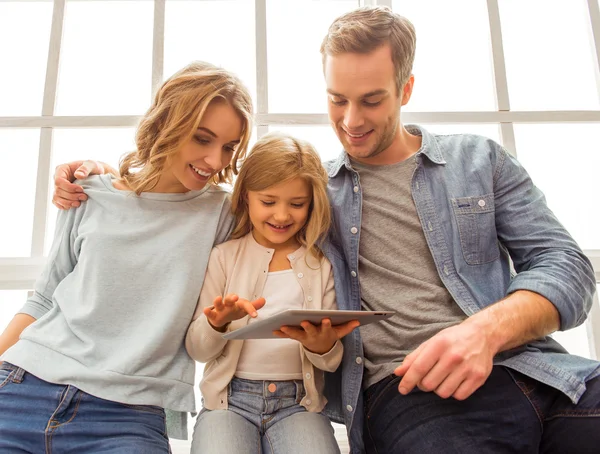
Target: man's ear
pixel 407 89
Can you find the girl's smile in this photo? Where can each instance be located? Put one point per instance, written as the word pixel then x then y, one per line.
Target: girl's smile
pixel 279 212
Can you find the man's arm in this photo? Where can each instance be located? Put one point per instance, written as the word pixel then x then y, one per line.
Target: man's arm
pixel 552 290
pixel 68 195
pixel 459 359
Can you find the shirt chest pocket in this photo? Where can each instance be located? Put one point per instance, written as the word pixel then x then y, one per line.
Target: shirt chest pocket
pixel 475 217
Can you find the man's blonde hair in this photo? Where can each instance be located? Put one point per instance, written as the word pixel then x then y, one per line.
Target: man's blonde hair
pixel 277 158
pixel 175 115
pixel 365 29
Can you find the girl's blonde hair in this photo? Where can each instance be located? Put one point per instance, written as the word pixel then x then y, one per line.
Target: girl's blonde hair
pixel 175 115
pixel 277 158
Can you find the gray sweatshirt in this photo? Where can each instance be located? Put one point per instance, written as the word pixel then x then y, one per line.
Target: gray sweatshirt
pixel 118 292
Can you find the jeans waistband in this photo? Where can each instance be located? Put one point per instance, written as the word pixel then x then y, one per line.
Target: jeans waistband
pixel 17 372
pixel 267 388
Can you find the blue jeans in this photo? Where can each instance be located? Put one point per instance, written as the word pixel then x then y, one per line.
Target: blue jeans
pixel 41 417
pixel 510 413
pixel 262 421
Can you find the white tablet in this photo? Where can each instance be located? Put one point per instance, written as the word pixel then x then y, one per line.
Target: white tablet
pixel 263 329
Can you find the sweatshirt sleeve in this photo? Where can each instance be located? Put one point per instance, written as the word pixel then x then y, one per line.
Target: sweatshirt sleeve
pixel 329 361
pixel 226 222
pixel 202 342
pixel 61 261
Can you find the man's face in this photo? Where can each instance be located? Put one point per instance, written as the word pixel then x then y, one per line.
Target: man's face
pixel 364 105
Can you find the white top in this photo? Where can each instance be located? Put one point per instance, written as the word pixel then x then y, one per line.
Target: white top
pixel 274 359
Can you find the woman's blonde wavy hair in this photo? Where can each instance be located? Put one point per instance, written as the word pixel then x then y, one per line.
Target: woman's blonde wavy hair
pixel 174 116
pixel 277 158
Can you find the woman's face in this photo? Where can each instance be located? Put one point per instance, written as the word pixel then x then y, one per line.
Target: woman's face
pixel 208 152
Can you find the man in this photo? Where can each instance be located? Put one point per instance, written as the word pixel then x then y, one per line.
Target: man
pixel 426 225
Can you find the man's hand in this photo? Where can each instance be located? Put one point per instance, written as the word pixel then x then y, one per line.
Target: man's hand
pixel 230 308
pixel 458 360
pixel 66 194
pixel 455 362
pixel 317 338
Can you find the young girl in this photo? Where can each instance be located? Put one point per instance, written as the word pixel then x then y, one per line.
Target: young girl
pixel 106 355
pixel 266 395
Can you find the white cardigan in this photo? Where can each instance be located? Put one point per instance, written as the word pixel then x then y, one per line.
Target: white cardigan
pixel 241 267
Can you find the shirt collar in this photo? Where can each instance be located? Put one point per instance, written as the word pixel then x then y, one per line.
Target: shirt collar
pixel 429 148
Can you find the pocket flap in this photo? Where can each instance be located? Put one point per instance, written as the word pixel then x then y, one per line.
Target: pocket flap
pixel 475 204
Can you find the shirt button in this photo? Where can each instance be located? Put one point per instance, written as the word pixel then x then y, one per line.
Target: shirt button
pixel 481 203
pixel 292 256
pixel 349 407
pixel 355 188
pixel 309 298
pixel 353 273
pixel 308 401
pixel 354 230
pixel 308 376
pixel 300 275
pixel 359 360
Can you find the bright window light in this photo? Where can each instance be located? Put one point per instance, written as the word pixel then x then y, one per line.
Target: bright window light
pixel 24 37
pixel 18 172
pixel 106 58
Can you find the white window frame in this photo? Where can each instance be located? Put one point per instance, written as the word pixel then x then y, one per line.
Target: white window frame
pixel 20 273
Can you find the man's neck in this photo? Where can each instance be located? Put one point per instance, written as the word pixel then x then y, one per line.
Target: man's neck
pixel 403 147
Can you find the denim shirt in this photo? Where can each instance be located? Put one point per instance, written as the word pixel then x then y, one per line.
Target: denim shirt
pixel 479 210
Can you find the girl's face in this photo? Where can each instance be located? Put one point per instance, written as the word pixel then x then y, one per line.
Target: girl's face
pixel 279 212
pixel 208 152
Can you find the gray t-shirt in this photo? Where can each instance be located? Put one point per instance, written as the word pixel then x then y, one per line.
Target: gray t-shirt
pixel 397 271
pixel 118 292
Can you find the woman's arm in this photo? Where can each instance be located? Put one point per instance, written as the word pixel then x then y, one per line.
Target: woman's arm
pixel 11 334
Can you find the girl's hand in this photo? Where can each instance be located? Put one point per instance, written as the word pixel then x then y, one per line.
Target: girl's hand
pixel 232 307
pixel 318 339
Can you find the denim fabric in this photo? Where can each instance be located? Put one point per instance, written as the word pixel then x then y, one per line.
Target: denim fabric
pixel 262 421
pixel 510 413
pixel 479 210
pixel 41 417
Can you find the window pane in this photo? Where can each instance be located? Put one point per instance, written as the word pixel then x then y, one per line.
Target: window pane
pixel 487 130
pixel 563 161
pixel 106 58
pixel 24 34
pixel 296 82
pixel 549 61
pixel 321 137
pixel 453 64
pixel 102 144
pixel 10 302
pixel 575 340
pixel 18 173
pixel 217 31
